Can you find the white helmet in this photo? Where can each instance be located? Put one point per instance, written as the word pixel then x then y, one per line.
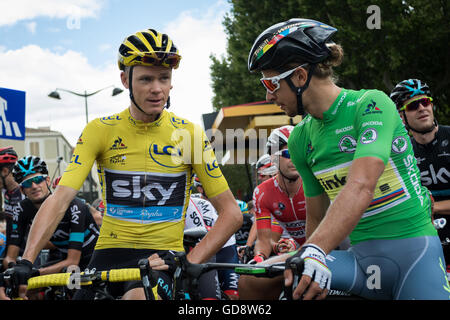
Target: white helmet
pixel 278 138
pixel 265 166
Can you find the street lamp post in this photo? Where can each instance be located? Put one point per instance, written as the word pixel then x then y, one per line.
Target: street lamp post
pixel 85 95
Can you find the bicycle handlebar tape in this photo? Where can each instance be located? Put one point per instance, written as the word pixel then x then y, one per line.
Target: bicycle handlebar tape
pixel 56 279
pixel 126 274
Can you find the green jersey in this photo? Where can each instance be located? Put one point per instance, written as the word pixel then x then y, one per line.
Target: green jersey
pixel 360 124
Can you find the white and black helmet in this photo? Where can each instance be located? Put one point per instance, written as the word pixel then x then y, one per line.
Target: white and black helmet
pixel 28 165
pixel 265 166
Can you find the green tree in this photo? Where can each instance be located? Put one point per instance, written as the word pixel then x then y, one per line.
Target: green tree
pixel 412 42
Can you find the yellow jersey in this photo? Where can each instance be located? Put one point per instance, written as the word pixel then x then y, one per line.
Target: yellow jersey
pixel 145 172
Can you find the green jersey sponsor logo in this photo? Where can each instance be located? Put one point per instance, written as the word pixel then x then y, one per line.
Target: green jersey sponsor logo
pixel 399 145
pixel 372 108
pixel 345 129
pixel 347 144
pixel 369 136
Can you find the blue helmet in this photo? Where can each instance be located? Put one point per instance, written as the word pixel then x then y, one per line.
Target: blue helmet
pixel 28 165
pixel 407 89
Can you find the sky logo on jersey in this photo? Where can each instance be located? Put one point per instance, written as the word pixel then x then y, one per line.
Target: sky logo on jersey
pixel 166 155
pixel 347 144
pixel 145 197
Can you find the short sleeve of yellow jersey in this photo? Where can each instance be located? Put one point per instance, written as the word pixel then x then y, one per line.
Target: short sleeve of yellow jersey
pixel 205 164
pixel 83 156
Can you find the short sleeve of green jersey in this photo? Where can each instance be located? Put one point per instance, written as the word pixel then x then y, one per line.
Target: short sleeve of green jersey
pixel 375 122
pixel 83 157
pixel 205 164
pixel 298 146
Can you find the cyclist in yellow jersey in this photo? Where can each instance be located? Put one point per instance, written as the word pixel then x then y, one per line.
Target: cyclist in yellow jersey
pixel 146 156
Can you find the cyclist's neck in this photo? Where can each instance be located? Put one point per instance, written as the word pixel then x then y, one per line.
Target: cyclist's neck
pixel 289 186
pixel 320 96
pixel 146 118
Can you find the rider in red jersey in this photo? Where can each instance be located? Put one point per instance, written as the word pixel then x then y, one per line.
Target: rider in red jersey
pixel 281 199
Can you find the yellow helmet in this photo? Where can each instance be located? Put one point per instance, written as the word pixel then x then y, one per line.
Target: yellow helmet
pixel 148 48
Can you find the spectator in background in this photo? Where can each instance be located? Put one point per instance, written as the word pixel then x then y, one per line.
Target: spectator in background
pixel 11 191
pixel 96 209
pixel 265 168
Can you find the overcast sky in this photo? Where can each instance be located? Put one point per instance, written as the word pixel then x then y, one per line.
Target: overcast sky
pixel 72 44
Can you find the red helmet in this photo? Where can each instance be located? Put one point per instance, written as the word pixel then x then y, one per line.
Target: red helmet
pixel 8 155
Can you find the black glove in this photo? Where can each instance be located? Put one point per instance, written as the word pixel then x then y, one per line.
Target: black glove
pixel 169 259
pixel 22 271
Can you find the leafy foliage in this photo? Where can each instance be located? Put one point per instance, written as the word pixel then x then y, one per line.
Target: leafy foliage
pixel 413 42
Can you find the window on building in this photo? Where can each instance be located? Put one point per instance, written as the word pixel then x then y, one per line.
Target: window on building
pixel 34 149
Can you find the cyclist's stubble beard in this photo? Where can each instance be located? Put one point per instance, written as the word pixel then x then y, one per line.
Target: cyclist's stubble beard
pixel 424 126
pixel 287 170
pixel 37 201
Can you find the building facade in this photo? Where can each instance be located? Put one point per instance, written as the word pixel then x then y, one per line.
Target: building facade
pixel 56 151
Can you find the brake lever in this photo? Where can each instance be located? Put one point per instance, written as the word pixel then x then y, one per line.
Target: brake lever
pixel 296 264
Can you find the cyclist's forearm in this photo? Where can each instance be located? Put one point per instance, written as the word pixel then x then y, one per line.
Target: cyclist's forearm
pixel 71 260
pixel 263 243
pixel 251 235
pixel 316 208
pixel 350 204
pixel 442 207
pixel 225 227
pixel 11 255
pixel 228 222
pixel 342 216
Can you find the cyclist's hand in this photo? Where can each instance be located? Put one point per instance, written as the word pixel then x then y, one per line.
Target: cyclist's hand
pixel 241 251
pixel 284 245
pixel 314 266
pixel 19 274
pixel 163 261
pixel 3 295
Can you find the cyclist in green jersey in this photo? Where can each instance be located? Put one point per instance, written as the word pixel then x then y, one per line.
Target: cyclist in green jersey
pixel 359 173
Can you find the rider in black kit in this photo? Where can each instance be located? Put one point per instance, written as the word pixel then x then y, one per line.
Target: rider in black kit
pixel 76 234
pixel 431 148
pixel 11 192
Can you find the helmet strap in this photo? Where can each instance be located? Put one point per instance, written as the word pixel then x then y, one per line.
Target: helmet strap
pixel 299 90
pixel 408 126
